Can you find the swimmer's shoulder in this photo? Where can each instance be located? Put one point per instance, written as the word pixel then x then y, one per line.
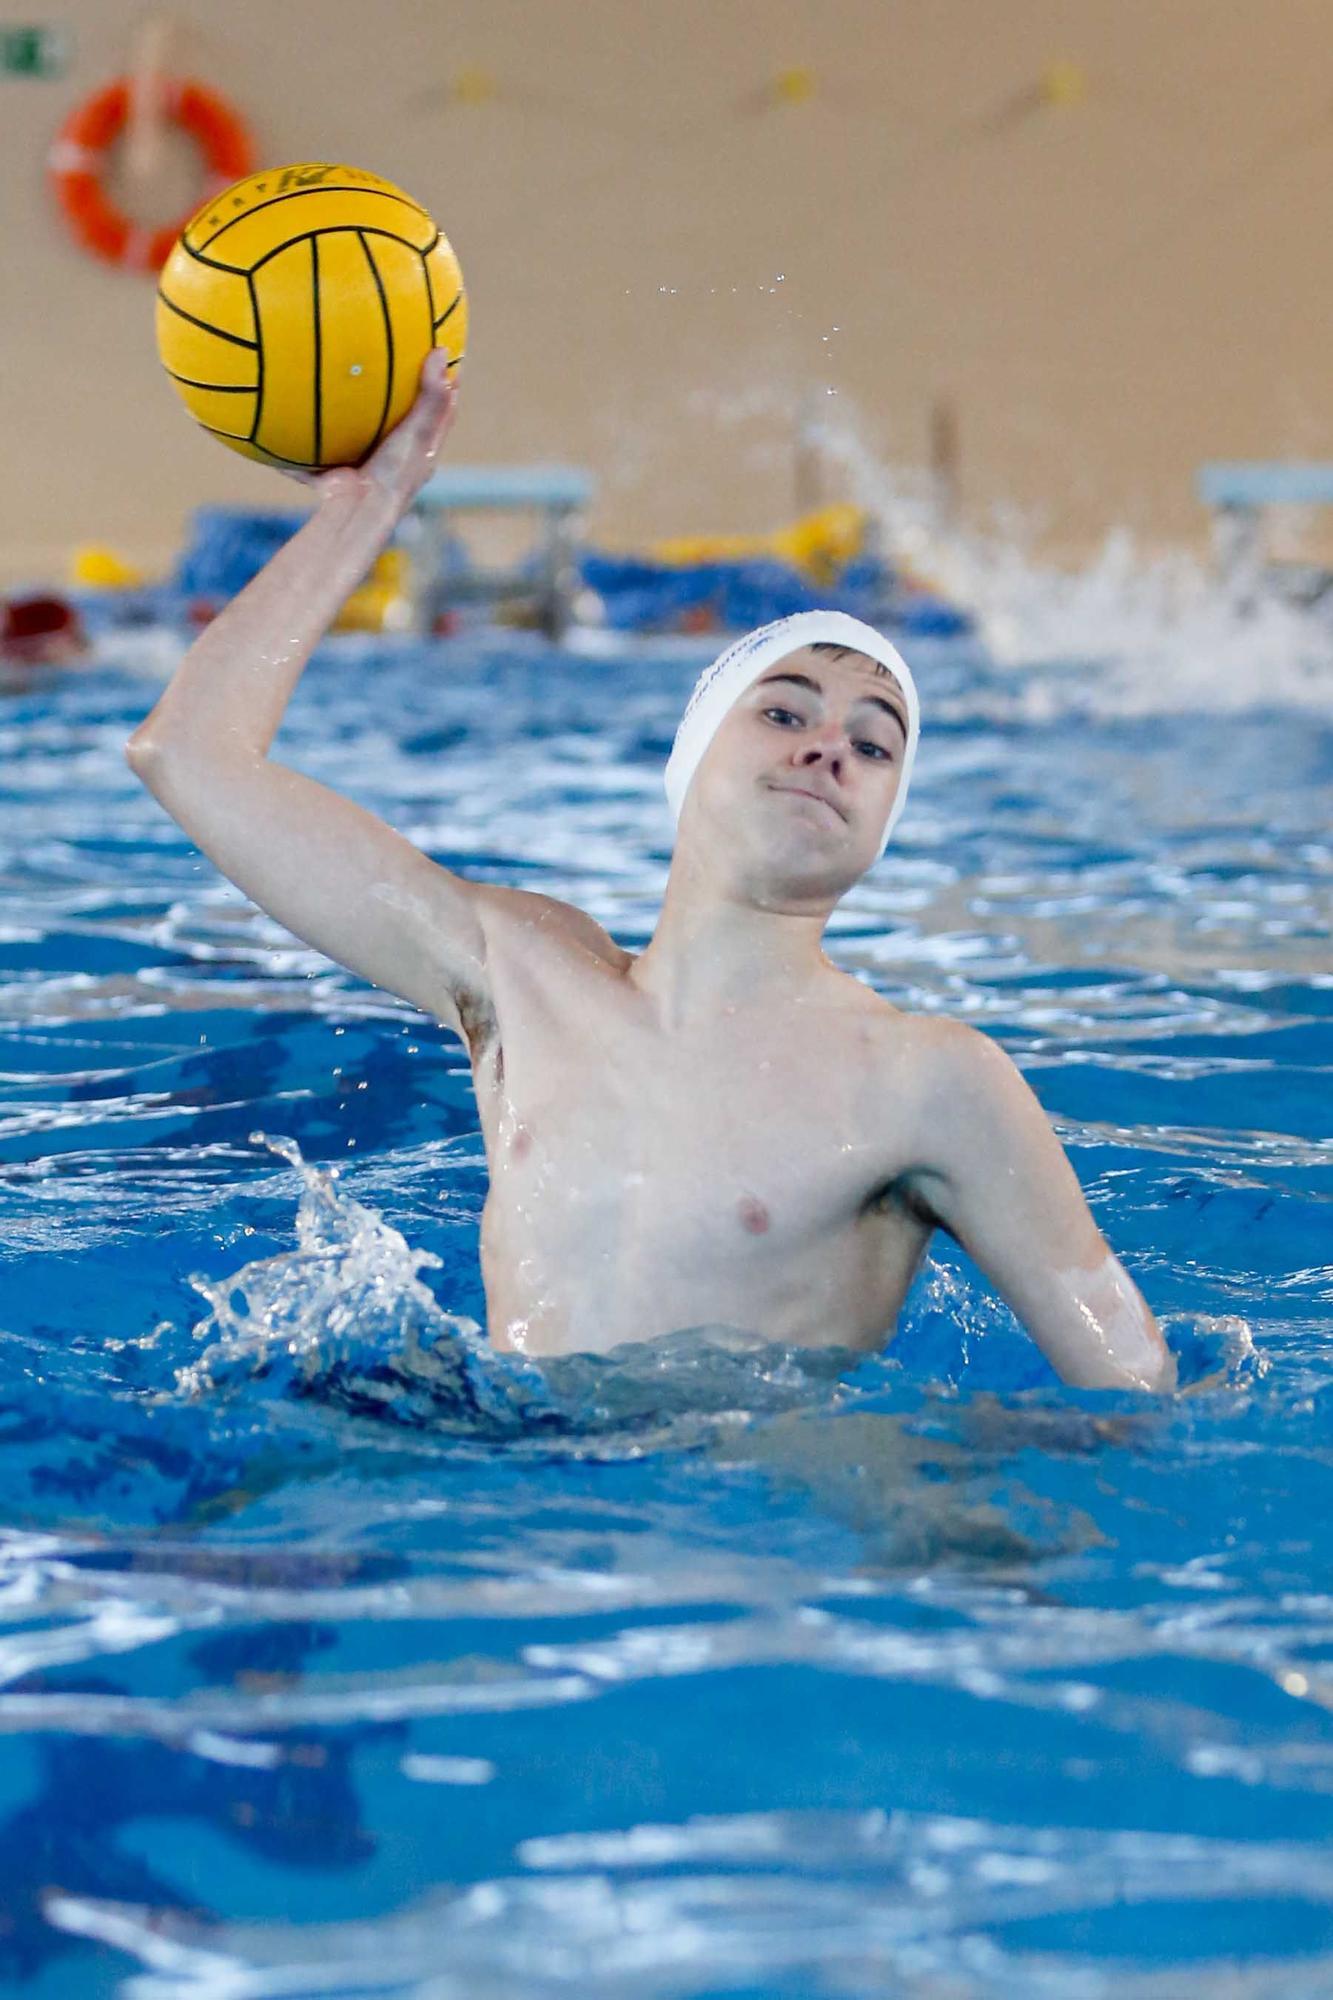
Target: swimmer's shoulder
pixel 953 1055
pixel 950 1063
pixel 967 1092
pixel 947 1093
pixel 519 919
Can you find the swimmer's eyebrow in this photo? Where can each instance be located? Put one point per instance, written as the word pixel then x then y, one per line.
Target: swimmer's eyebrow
pixel 804 681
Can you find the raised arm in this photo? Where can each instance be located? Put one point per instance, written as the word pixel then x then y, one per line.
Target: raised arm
pixel 997 1178
pixel 330 872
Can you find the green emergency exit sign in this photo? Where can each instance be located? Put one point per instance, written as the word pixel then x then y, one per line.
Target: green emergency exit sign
pixel 32 52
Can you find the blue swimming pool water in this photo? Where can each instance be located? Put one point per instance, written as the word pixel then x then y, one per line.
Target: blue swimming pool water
pixel 340 1657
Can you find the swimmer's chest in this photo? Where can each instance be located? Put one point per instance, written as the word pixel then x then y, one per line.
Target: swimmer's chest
pixel 787 1120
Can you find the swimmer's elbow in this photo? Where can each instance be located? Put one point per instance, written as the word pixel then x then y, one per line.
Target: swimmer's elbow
pixel 142 752
pixel 151 762
pixel 150 753
pixel 178 775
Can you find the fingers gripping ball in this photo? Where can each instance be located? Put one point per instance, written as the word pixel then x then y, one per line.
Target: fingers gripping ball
pixel 296 309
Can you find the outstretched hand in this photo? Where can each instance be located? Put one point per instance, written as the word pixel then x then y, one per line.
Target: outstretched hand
pixel 403 461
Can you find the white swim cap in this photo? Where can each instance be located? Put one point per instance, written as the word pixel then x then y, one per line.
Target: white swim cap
pixel 720 686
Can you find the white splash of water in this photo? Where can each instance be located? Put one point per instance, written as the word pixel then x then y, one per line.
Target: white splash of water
pixel 353 1278
pixel 349 1301
pixel 1164 632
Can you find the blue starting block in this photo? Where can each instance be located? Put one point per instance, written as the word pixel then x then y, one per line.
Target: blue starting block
pixel 1238 492
pixel 547 579
pixel 1261 482
pixel 555 489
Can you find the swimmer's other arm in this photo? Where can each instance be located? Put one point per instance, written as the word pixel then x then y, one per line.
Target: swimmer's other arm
pixel 330 872
pixel 997 1179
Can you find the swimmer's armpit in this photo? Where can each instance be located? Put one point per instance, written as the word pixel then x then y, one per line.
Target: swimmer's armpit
pixel 997 1177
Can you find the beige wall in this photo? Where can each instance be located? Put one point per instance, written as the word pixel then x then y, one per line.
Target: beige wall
pixel 1109 291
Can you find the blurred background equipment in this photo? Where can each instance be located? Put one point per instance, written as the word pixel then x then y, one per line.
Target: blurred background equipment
pixel 33 51
pixel 544 581
pixel 1241 497
pixel 41 631
pixel 1099 240
pixel 132 115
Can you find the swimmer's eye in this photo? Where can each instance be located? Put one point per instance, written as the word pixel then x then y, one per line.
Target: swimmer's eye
pixel 877 753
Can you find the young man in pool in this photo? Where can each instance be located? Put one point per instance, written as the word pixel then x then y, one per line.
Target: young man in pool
pixel 724 1131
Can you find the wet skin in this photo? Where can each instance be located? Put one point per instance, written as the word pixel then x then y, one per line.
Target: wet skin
pixel 727 1129
pixel 722 1130
pixel 698 1135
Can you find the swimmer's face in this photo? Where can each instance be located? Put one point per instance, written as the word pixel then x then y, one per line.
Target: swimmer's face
pixel 802 772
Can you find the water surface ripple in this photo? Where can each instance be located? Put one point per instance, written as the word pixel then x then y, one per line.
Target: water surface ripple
pixel 341 1656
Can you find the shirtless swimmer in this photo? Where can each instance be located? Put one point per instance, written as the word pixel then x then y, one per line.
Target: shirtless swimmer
pixel 724 1130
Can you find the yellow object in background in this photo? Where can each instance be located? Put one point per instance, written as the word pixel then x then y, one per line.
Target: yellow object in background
pixel 1064 83
pixel 794 86
pixel 819 544
pixel 381 604
pixel 297 307
pixel 473 86
pixel 98 568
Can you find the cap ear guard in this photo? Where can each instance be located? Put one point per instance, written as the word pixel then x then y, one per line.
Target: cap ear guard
pixel 720 686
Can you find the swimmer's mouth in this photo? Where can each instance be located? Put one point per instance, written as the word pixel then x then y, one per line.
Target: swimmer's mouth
pixel 804 792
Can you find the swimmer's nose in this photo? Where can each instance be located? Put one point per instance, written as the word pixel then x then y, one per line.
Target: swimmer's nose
pixel 830 753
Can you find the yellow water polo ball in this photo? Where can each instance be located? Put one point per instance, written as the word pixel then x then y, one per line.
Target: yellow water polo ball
pixel 296 309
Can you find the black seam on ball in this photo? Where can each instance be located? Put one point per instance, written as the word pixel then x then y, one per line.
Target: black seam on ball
pixel 332 229
pixel 319 387
pixel 214 388
pixel 448 311
pixel 273 457
pixel 210 263
pixel 259 385
pixel 237 339
pixel 388 343
pixel 295 194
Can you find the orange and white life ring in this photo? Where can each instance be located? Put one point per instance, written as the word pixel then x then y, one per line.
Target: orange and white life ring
pixel 78 159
